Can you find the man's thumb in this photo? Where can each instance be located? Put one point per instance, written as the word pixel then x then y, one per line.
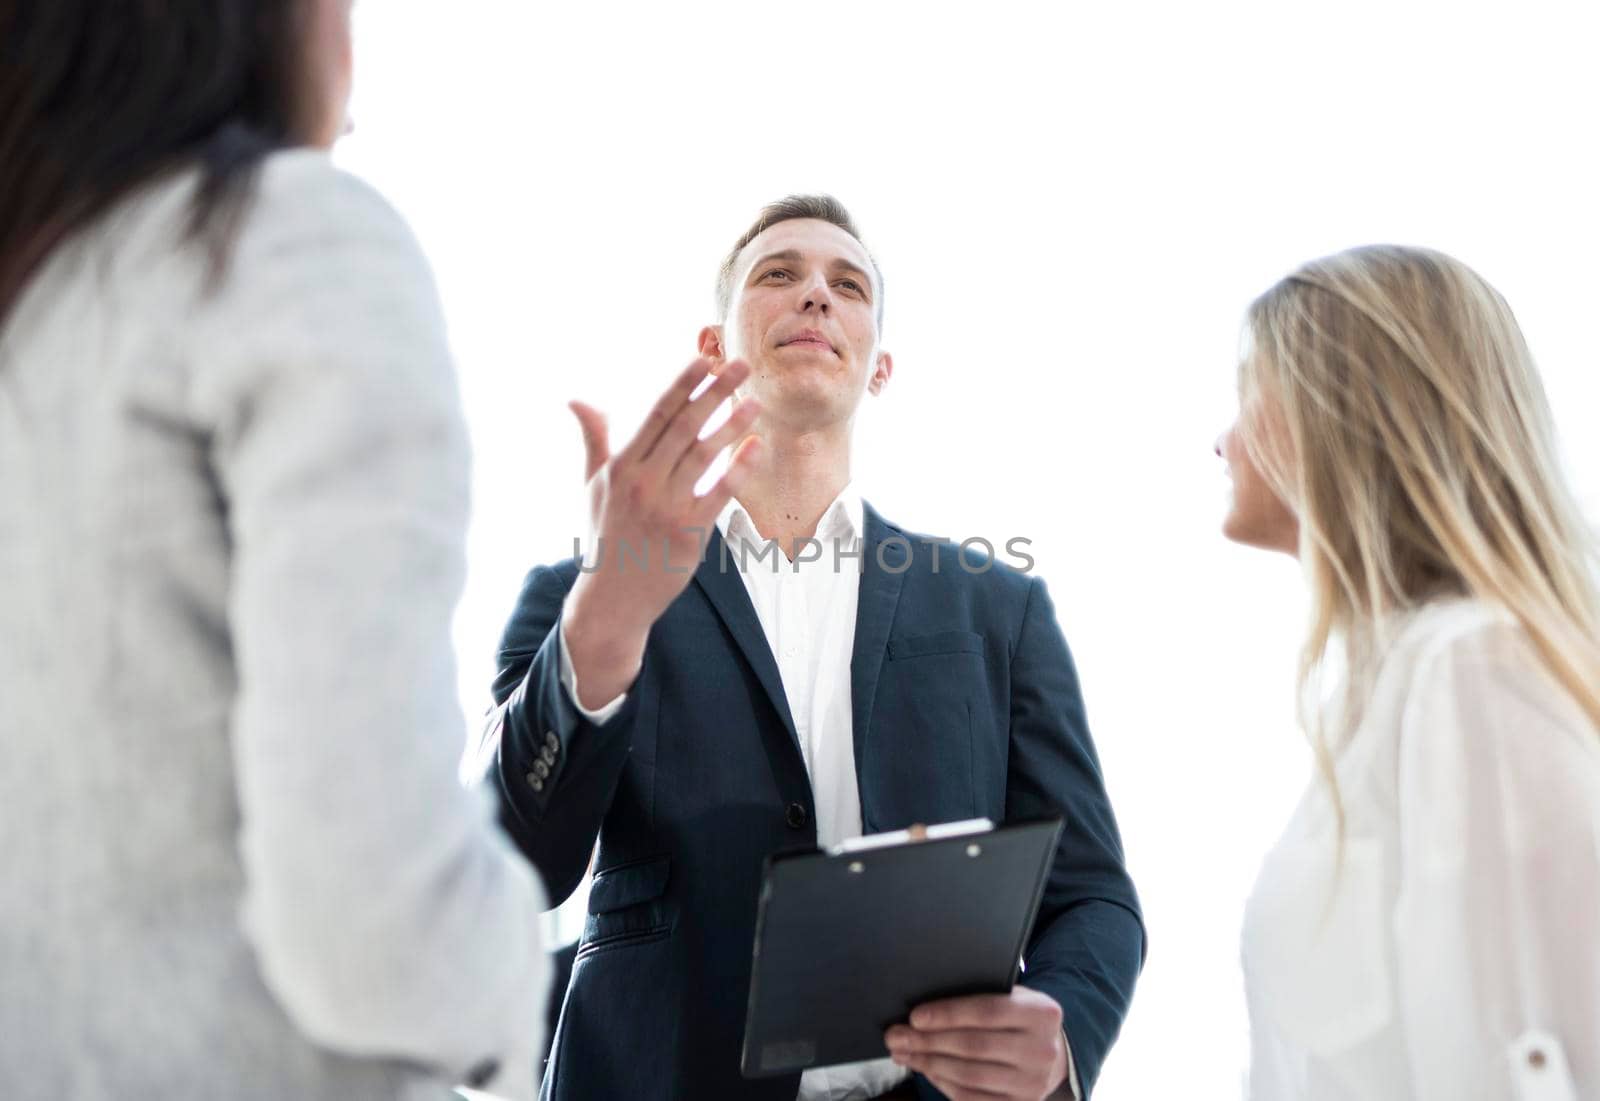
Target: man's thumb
pixel 593 424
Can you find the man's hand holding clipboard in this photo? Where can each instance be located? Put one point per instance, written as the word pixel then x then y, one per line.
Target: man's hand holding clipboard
pixel 986 1045
pixel 909 943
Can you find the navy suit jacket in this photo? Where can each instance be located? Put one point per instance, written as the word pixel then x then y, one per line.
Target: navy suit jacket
pixel 965 704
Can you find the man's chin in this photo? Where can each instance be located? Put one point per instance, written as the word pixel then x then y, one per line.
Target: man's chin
pixel 805 404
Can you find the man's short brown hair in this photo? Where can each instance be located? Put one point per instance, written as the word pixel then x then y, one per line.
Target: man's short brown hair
pixel 824 208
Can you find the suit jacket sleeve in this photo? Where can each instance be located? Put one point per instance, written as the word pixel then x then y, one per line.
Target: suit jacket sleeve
pixel 1088 942
pixel 556 770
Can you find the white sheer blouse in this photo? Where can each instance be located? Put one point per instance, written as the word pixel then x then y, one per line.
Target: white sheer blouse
pixel 1455 953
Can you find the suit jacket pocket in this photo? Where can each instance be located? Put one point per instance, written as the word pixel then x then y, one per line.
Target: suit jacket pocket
pixel 939 642
pixel 919 754
pixel 627 903
pixel 629 884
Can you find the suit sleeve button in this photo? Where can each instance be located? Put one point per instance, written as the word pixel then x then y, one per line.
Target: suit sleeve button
pixel 796 816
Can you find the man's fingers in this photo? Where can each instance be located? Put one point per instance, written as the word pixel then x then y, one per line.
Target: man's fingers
pixel 733 480
pixel 1003 1043
pixel 960 1080
pixel 592 423
pixel 996 1078
pixel 979 1044
pixel 665 409
pixel 972 1011
pixel 960 1093
pixel 698 459
pixel 680 435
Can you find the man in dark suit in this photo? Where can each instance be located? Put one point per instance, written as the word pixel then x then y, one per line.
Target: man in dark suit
pixel 697 718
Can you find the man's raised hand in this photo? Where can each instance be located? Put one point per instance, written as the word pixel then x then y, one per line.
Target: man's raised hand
pixel 647 529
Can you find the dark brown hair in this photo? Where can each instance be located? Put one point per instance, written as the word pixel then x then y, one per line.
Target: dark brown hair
pixel 824 208
pixel 99 97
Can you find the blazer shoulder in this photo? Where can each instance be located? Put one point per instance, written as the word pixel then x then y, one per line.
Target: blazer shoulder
pixel 548 582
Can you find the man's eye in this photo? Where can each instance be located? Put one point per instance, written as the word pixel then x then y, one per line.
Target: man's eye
pixel 851 285
pixel 776 271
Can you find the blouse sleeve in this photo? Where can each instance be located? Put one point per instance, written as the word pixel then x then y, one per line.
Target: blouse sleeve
pixel 1498 916
pixel 388 916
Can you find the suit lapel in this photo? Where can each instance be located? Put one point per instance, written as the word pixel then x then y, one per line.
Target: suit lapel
pixel 718 576
pixel 886 556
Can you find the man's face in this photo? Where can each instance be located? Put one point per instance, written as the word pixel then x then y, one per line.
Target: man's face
pixel 804 315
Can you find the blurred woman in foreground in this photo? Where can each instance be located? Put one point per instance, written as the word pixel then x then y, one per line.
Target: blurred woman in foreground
pixel 1427 925
pixel 233 485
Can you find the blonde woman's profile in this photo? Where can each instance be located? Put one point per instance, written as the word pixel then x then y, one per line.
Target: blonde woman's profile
pixel 1426 925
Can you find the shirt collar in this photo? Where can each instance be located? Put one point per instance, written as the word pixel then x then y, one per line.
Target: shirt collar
pixel 844 518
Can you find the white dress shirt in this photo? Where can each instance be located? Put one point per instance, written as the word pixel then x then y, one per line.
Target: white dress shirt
pixel 807 608
pixel 1455 953
pixel 808 613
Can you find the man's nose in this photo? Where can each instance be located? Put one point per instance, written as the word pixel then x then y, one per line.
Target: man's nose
pixel 815 296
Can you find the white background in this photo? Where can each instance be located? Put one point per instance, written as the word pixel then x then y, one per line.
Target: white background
pixel 1072 205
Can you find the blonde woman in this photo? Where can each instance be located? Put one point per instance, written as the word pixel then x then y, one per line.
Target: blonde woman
pixel 1428 926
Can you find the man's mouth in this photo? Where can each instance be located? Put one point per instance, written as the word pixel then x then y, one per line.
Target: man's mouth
pixel 808 339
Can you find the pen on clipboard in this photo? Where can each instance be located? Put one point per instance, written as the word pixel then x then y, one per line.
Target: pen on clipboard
pixel 917 832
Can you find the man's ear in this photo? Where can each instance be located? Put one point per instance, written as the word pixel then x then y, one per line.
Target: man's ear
pixel 880 374
pixel 711 343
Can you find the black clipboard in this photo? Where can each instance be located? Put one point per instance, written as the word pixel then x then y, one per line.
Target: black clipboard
pixel 849 942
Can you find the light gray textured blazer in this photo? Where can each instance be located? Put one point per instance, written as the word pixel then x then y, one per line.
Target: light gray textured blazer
pixel 236 859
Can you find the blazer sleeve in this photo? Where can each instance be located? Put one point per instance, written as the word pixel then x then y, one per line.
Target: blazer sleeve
pixel 556 770
pixel 1088 943
pixel 388 916
pixel 1497 956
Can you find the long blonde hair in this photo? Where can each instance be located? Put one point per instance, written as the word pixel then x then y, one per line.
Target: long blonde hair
pixel 1418 453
